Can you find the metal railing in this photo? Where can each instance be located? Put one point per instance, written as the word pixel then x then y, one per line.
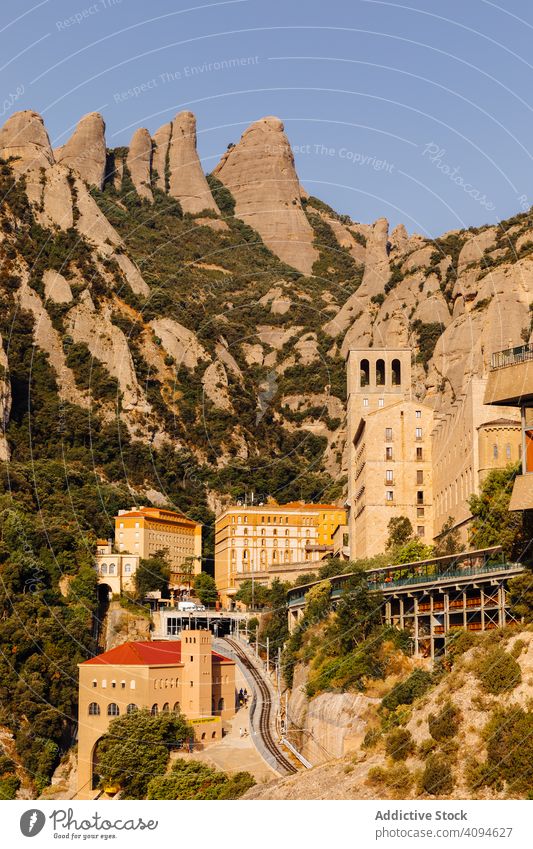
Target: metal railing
pixel 449 574
pixel 512 356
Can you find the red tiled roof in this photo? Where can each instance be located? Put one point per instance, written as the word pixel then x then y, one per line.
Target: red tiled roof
pixel 145 653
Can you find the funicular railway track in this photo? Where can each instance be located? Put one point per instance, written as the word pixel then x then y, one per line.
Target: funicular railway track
pixel 264 721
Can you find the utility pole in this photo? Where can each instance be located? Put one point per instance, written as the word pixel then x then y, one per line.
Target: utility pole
pixel 268 655
pixel 257 641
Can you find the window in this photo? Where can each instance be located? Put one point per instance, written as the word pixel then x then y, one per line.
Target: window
pixel 111 568
pixel 166 708
pixel 275 531
pixel 419 476
pixel 154 710
pixel 380 372
pixel 112 709
pixel 418 414
pixel 418 433
pixel 127 569
pixel 389 477
pixel 380 402
pixel 221 704
pixel 176 708
pixel 420 497
pixel 94 709
pixel 508 451
pixel 113 684
pixel 420 512
pixel 364 373
pixel 131 708
pixel 396 372
pixel 388 434
pixel 365 402
pixel 390 495
pixel 418 452
pixel 123 685
pixel 103 569
pixel 95 683
pixel 495 451
pixel 420 530
pixel 388 453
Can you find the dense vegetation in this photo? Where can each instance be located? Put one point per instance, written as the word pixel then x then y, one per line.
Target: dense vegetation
pixel 137 747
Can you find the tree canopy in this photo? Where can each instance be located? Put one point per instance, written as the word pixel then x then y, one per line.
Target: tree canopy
pixel 136 748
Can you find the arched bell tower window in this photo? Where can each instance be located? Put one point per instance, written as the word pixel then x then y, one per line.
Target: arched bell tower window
pixel 396 373
pixel 364 373
pixel 380 372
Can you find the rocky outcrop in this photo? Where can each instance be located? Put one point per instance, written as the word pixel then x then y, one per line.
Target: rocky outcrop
pixel 259 172
pixel 107 343
pixel 124 626
pixel 56 288
pixel 161 141
pixel 187 182
pixel 85 151
pixel 48 340
pixel 178 342
pixel 24 136
pixel 139 162
pixel 5 402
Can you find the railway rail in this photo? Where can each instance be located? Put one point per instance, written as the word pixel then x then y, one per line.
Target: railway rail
pixel 264 723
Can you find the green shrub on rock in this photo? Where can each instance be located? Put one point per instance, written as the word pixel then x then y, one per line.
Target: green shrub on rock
pixel 498 672
pixel 399 744
pixel 445 724
pixel 437 778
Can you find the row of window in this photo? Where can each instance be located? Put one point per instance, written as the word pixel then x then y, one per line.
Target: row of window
pixel 287 556
pixel 389 453
pixel 111 569
pixel 389 476
pixel 389 434
pixel 274 532
pixel 380 375
pixel 114 710
pixel 103 684
pixel 263 543
pixel 389 496
pixel 268 519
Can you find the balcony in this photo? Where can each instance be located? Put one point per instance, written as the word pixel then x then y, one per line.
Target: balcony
pixel 510 381
pixel 512 356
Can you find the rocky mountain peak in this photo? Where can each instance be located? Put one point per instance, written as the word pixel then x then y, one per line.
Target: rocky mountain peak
pixel 139 162
pixel 85 151
pixel 24 136
pixel 259 172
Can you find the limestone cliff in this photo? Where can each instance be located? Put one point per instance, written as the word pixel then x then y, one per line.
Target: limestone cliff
pixel 259 172
pixel 85 151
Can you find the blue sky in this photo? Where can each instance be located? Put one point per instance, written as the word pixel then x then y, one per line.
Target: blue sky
pixel 417 111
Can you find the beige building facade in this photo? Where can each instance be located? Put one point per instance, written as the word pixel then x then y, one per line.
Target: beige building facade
pixel 271 538
pixel 115 571
pixel 389 450
pixel 162 676
pixel 143 531
pixel 467 443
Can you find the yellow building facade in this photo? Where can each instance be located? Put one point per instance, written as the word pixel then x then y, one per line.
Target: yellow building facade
pixel 389 450
pixel 183 675
pixel 145 530
pixel 252 541
pixel 467 443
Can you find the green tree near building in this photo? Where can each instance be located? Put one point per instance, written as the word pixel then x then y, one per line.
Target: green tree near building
pixel 153 574
pixel 400 531
pixel 206 589
pixel 493 523
pixel 136 748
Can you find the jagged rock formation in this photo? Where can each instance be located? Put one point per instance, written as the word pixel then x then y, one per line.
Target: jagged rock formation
pixel 139 162
pixel 259 172
pixel 24 136
pixel 85 151
pixel 214 315
pixel 177 165
pixel 187 181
